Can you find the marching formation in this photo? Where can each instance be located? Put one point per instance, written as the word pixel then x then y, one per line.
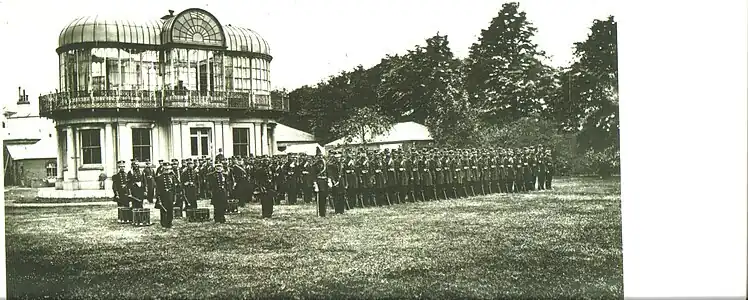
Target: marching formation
pixel 342 180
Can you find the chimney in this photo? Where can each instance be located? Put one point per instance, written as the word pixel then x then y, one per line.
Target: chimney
pixel 22 98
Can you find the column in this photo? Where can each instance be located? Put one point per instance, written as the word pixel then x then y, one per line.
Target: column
pixel 156 144
pixel 105 147
pixel 258 139
pixel 216 139
pixel 60 157
pixel 184 146
pixel 264 137
pixel 252 142
pixel 71 152
pixel 273 142
pixel 174 141
pixel 110 162
pixel 228 139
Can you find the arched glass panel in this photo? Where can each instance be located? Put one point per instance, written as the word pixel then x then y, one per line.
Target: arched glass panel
pixel 195 27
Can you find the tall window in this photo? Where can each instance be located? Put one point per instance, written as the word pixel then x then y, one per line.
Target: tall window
pixel 141 143
pixel 241 141
pixel 91 146
pixel 199 141
pixel 52 169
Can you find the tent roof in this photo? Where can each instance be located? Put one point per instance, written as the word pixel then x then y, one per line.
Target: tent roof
pixel 309 149
pixel 400 132
pixel 285 133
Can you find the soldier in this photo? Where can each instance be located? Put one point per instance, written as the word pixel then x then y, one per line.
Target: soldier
pixel 380 184
pixel 150 181
pixel 351 180
pixel 402 178
pixel 336 178
pixel 289 168
pixel 189 184
pixel 279 179
pixel 160 167
pixel 136 182
pixel 178 191
pixel 459 179
pixel 415 177
pixel 366 181
pixel 219 184
pixel 392 186
pixel 551 169
pixel 427 175
pixel 166 186
pixel 320 169
pixel 119 185
pixel 240 178
pixel 307 179
pixel 439 176
pixel 447 175
pixel 265 185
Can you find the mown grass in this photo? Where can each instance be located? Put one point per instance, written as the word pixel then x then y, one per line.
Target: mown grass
pixel 556 244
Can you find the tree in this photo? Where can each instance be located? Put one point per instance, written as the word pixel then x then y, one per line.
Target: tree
pixel 588 99
pixel 366 123
pixel 506 78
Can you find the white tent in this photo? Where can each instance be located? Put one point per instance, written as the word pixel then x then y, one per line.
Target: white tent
pixel 308 149
pixel 399 133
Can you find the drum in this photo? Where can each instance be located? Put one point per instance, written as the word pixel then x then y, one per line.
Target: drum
pixel 124 215
pixel 177 212
pixel 141 216
pixel 202 214
pixel 233 207
pixel 191 214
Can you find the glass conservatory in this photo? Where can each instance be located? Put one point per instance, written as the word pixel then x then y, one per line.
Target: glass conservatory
pixel 177 87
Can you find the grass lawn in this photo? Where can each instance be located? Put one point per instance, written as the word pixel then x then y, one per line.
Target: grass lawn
pixel 564 243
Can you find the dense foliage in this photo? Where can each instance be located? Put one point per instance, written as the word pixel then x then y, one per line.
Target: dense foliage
pixel 503 93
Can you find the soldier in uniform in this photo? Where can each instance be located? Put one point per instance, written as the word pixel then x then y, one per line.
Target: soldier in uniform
pixel 307 179
pixel 189 183
pixel 178 191
pixel 166 186
pixel 289 168
pixel 439 176
pixel 119 185
pixel 392 186
pixel 336 178
pixel 240 178
pixel 448 177
pixel 320 169
pixel 160 167
pixel 265 185
pixel 136 182
pixel 415 177
pixel 402 178
pixel 351 180
pixel 427 175
pixel 220 186
pixel 150 181
pixel 380 184
pixel 551 169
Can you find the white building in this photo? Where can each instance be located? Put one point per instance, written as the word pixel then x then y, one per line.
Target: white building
pixel 401 135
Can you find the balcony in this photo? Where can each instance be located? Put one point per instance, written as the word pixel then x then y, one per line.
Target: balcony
pixel 80 100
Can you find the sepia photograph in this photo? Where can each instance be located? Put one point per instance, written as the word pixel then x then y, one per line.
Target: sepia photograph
pixel 312 149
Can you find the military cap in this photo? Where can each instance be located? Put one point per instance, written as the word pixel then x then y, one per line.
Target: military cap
pixel 121 163
pixel 147 160
pixel 160 161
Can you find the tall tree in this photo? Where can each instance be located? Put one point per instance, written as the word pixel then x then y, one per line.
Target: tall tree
pixel 506 77
pixel 588 99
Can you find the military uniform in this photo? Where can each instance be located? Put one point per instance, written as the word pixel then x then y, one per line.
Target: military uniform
pixel 136 183
pixel 336 178
pixel 119 185
pixel 166 186
pixel 219 184
pixel 352 182
pixel 189 184
pixel 150 181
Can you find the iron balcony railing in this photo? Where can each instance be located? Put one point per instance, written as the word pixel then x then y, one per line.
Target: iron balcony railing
pixel 158 99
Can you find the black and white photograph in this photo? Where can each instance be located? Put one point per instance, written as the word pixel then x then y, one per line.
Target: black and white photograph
pixel 312 150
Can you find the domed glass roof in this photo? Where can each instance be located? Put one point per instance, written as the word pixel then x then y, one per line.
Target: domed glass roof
pixel 96 29
pixel 191 27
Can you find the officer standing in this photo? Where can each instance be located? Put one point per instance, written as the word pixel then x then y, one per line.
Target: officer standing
pixel 351 180
pixel 335 175
pixel 265 182
pixel 119 185
pixel 289 169
pixel 166 186
pixel 189 183
pixel 220 187
pixel 150 183
pixel 136 183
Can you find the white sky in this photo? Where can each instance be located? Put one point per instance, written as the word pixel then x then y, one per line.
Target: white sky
pixel 309 40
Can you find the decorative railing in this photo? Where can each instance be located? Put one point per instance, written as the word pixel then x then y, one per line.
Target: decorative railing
pixel 158 99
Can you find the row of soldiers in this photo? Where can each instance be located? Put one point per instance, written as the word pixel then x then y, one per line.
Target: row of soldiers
pixel 354 179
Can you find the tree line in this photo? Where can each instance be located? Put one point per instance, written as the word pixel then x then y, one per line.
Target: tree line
pixel 503 94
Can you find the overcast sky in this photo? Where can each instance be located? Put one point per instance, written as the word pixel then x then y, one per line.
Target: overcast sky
pixel 309 40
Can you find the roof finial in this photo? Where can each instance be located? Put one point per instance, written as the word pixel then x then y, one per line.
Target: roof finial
pixel 171 12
